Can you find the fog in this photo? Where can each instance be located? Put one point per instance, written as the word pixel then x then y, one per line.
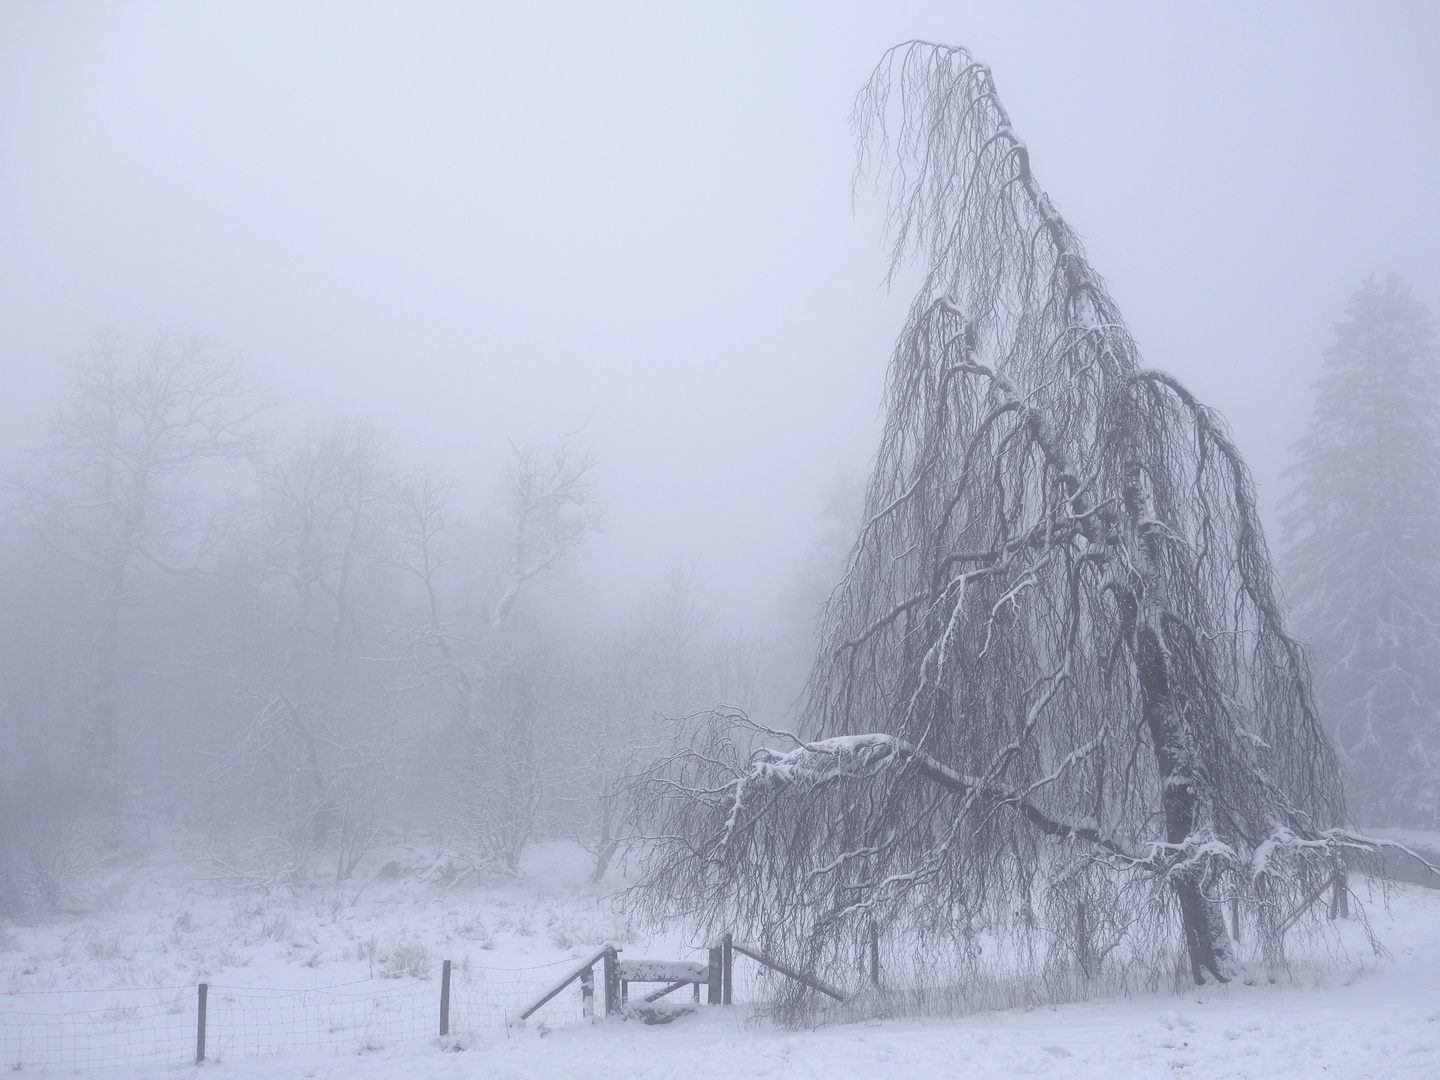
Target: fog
pixel 433 473
pixel 478 224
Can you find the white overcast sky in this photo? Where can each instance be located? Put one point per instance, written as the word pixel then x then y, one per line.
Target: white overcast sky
pixel 482 222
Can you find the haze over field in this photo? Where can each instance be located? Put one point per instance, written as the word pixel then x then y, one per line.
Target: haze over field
pixel 920 516
pixel 484 223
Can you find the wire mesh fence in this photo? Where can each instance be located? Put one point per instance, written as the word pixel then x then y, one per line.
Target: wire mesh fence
pixel 248 1022
pixel 77 1030
pixel 490 998
pixel 72 1031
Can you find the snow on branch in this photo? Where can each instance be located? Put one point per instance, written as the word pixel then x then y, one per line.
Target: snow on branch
pixel 1056 672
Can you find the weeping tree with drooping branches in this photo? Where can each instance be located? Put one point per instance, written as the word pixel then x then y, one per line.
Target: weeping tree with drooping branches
pixel 1055 714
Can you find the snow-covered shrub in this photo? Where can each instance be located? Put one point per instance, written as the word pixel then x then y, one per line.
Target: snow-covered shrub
pixel 407 957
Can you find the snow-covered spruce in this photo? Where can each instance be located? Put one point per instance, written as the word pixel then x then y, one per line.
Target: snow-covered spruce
pixel 1363 553
pixel 1085 736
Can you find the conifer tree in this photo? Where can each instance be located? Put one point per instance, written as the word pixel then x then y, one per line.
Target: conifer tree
pixel 1362 527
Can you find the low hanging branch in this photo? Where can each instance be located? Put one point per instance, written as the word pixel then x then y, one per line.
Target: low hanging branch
pixel 1056 677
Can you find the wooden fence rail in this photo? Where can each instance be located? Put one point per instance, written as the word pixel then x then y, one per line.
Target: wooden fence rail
pixel 716 975
pixel 790 973
pixel 586 972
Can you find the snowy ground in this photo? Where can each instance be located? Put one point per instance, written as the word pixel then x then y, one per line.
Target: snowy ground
pixel 327 984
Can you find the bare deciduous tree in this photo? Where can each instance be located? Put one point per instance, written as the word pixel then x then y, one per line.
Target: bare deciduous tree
pixel 496 664
pixel 315 762
pixel 1056 713
pixel 115 494
pixel 663 662
pixel 553 507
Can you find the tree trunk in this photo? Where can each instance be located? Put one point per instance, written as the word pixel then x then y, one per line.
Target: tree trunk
pixel 608 845
pixel 104 740
pixel 1206 938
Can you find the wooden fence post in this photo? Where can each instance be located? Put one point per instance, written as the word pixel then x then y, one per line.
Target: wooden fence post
pixel 727 969
pixel 587 993
pixel 200 1024
pixel 611 971
pixel 714 983
pixel 445 998
pixel 1235 918
pixel 585 972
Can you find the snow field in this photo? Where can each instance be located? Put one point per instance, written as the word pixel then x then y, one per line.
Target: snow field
pixel 329 982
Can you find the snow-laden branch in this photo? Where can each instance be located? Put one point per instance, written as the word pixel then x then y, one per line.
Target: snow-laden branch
pixel 860 757
pixel 1055 675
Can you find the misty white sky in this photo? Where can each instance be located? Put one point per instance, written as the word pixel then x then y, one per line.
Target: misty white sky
pixel 482 222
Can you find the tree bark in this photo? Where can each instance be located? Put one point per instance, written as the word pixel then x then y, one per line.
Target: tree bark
pixel 1206 938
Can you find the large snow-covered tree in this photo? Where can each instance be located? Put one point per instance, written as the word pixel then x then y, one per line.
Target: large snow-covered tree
pixel 1056 719
pixel 1363 558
